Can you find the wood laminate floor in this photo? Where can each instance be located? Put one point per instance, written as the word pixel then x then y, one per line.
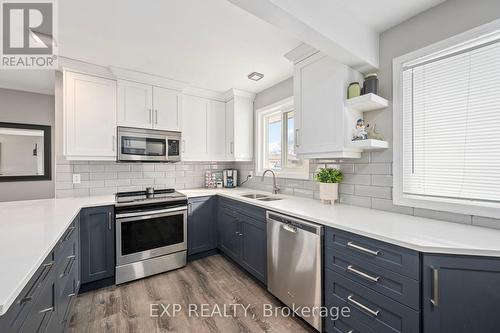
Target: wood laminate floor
pixel 214 281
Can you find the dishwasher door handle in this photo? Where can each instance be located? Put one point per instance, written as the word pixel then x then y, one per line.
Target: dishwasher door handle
pixel 289 228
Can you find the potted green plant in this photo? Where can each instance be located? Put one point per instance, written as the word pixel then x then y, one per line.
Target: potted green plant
pixel 329 179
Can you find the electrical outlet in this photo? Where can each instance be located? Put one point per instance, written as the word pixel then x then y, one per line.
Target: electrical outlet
pixel 76 178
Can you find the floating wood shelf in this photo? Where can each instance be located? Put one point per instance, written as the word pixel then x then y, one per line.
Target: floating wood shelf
pixel 368 102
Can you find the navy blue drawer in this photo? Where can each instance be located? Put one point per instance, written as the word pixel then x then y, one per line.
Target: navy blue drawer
pixel 397 259
pixel 396 286
pixel 243 208
pixel 346 325
pixel 369 307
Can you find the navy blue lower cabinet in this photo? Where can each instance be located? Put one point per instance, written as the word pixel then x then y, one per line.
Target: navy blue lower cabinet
pixel 97 243
pixel 202 230
pixel 461 294
pixel 243 236
pixel 254 247
pixel 229 235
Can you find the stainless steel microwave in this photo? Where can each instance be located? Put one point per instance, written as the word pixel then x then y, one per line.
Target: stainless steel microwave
pixel 147 145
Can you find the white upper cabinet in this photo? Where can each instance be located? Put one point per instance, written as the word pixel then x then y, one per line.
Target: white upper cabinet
pixel 167 105
pixel 217 131
pixel 135 104
pixel 323 127
pixel 145 106
pixel 195 128
pixel 239 128
pixel 89 117
pixel 203 130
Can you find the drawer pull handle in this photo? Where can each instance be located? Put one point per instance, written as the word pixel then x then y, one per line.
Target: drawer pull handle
pixel 368 277
pixel 47 310
pixel 435 287
pixel 362 249
pixel 71 259
pixel 373 313
pixel 69 233
pixel 41 278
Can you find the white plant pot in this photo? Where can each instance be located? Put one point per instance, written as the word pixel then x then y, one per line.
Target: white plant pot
pixel 328 192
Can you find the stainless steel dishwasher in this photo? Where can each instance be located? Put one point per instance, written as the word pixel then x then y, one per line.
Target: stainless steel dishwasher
pixel 294 263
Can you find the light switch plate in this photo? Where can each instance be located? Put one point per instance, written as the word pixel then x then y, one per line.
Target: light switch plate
pixel 76 178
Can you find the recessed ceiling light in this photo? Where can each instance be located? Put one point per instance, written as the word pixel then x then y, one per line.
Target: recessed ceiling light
pixel 255 76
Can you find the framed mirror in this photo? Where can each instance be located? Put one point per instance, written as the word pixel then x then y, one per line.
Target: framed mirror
pixel 25 152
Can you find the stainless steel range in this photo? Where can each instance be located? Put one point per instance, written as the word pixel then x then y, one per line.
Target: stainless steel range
pixel 151 233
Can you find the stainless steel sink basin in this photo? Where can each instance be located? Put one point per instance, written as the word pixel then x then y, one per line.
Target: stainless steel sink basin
pixel 269 199
pixel 254 196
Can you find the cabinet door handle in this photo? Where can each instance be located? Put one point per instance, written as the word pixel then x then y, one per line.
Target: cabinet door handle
pixel 362 249
pixel 183 146
pixel 357 272
pixel 370 311
pixel 150 113
pixel 47 310
pixel 190 208
pixel 113 142
pixel 156 116
pixel 297 144
pixel 231 147
pixel 71 259
pixel 110 220
pixel 435 287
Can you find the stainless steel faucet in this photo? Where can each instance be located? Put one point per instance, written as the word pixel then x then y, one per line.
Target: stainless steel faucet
pixel 276 188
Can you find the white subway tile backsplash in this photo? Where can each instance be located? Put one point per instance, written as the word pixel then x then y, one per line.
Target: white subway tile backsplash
pixel 357 179
pixel 64 168
pixel 382 180
pixel 486 222
pixel 117 167
pixel 387 205
pixel 80 168
pixel 116 182
pixel 355 200
pixel 103 190
pixel 373 191
pixel 130 174
pixel 103 175
pixel 445 216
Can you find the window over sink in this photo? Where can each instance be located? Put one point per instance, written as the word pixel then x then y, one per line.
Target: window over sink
pixel 276 141
pixel 446 121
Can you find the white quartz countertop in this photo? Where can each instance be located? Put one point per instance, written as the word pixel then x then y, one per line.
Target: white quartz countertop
pixel 30 229
pixel 417 233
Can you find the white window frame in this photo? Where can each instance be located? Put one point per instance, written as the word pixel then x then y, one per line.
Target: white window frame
pixel 462 206
pixel 284 105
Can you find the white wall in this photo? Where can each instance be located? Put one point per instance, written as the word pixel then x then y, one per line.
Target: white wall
pixel 27 108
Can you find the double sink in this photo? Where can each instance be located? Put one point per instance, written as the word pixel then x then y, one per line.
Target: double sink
pixel 260 197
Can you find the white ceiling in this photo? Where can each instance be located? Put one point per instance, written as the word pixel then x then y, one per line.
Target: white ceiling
pixel 381 15
pixel 209 44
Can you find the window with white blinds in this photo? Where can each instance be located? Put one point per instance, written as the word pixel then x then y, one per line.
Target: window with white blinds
pixel 450 125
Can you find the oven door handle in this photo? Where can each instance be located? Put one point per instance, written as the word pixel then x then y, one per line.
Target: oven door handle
pixel 151 214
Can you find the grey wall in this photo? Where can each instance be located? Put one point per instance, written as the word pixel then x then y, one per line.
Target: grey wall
pixel 368 180
pixel 29 108
pixel 274 94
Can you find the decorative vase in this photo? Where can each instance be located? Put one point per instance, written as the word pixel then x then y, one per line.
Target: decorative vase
pixel 328 192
